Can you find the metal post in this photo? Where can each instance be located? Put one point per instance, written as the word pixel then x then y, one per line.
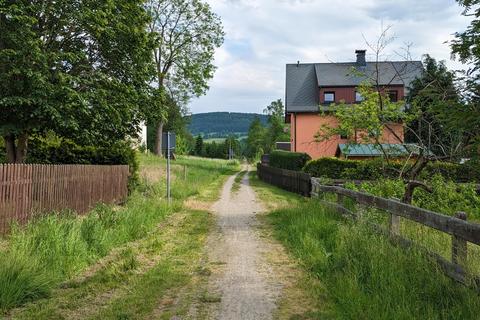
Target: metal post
pixel 168 168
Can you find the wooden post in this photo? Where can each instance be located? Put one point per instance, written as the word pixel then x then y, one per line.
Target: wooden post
pixel 184 172
pixel 394 225
pixel 459 246
pixel 340 199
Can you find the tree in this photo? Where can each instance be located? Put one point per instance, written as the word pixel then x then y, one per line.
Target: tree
pixel 276 129
pixel 255 139
pixel 186 33
pixel 466 47
pixel 199 146
pixel 430 94
pixel 79 68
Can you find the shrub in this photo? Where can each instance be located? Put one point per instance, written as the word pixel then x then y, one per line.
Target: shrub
pixel 3 155
pixel 330 167
pixel 288 160
pixel 56 150
pixel 467 172
pixel 373 169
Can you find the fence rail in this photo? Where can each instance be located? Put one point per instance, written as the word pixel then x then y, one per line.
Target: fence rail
pixel 29 190
pixel 460 230
pixel 293 181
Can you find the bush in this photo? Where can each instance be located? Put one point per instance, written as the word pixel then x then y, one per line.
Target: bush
pixel 288 160
pixel 467 172
pixel 373 169
pixel 56 150
pixel 3 155
pixel 329 167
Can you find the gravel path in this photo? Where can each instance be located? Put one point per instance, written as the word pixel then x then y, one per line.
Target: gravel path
pixel 246 283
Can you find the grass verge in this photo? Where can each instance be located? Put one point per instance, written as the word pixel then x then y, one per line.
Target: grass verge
pixel 39 257
pixel 361 275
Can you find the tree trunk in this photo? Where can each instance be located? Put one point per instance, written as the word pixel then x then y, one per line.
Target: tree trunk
pixel 21 150
pixel 10 148
pixel 412 183
pixel 158 139
pixel 16 153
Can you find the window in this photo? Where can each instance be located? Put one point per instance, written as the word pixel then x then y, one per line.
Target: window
pixel 343 136
pixel 358 97
pixel 393 95
pixel 329 97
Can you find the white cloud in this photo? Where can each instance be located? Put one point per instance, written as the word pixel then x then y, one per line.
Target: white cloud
pixel 263 35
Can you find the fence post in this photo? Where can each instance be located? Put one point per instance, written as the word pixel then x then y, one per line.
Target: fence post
pixel 184 172
pixel 340 199
pixel 459 246
pixel 394 224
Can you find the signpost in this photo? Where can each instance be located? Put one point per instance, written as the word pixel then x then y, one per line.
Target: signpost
pixel 168 144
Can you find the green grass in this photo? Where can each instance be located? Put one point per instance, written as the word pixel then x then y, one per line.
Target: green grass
pixel 238 181
pixel 39 257
pixel 361 275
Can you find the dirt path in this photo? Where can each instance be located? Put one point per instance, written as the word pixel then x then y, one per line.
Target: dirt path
pixel 245 283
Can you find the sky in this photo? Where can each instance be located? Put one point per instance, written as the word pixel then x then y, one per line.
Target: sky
pixel 262 36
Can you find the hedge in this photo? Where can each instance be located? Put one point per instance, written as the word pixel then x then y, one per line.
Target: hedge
pixel 55 150
pixel 335 168
pixel 288 160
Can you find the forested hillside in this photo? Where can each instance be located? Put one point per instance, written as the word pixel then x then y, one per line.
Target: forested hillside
pixel 222 124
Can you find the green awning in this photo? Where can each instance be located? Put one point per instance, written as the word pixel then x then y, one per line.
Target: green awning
pixel 375 150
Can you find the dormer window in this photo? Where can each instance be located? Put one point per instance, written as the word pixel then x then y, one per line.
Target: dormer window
pixel 329 97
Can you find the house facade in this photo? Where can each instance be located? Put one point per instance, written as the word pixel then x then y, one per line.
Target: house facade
pixel 311 87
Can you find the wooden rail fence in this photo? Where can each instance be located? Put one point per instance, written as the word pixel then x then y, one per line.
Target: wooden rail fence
pixel 33 189
pixel 457 227
pixel 293 181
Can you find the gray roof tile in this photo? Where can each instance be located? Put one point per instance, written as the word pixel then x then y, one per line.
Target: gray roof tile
pixel 304 80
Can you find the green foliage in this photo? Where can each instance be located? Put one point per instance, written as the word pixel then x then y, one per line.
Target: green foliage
pixel 276 125
pixel 447 197
pixel 3 155
pixel 222 124
pixel 466 47
pixel 78 68
pixel 288 160
pixel 186 34
pixel 370 116
pixel 199 149
pixel 55 150
pixel 335 168
pixel 256 139
pixel 364 276
pixel 430 94
pixel 218 150
pixel 329 167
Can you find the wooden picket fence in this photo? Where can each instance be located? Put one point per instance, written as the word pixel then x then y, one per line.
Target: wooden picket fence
pixel 28 190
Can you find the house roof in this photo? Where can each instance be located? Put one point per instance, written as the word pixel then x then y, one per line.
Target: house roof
pixel 304 80
pixel 375 150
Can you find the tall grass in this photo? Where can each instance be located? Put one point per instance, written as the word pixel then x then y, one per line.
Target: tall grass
pixel 365 276
pixel 56 247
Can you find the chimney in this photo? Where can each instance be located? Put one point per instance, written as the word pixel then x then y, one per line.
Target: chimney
pixel 361 58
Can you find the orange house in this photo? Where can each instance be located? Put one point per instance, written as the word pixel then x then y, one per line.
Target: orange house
pixel 311 87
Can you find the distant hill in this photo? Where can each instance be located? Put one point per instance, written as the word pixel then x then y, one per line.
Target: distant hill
pixel 222 124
